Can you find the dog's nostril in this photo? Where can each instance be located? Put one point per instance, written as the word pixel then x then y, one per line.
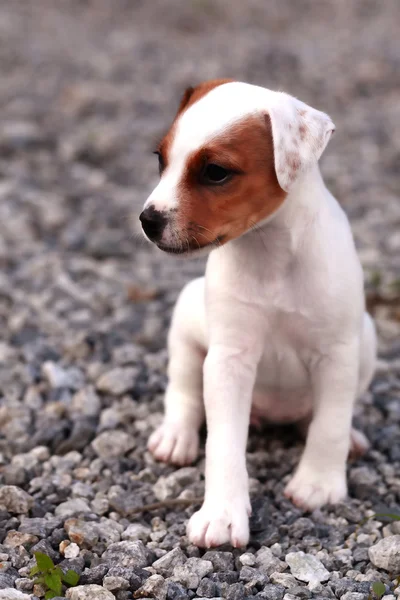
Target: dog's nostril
pixel 153 223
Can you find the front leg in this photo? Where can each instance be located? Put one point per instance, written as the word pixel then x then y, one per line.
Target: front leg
pixel 229 375
pixel 321 475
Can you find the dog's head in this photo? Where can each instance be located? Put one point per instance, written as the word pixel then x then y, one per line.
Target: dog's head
pixel 231 156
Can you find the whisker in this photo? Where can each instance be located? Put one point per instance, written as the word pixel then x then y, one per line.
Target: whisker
pixel 139 239
pixel 257 229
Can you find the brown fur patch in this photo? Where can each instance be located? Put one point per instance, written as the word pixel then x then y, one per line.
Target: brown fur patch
pixel 302 131
pixel 191 95
pixel 221 213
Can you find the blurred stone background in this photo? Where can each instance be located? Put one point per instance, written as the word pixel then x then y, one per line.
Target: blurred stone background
pixel 86 90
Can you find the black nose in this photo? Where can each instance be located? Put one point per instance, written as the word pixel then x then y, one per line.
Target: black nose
pixel 153 223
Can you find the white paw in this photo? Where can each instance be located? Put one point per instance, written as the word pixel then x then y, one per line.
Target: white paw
pixel 216 524
pixel 174 443
pixel 309 489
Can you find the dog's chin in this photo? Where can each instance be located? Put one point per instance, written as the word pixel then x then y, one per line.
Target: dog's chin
pixel 186 251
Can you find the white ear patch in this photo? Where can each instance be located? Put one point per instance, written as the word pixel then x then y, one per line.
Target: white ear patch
pixel 300 135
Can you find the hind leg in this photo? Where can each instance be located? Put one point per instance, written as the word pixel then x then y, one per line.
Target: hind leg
pixel 368 354
pixel 358 442
pixel 177 439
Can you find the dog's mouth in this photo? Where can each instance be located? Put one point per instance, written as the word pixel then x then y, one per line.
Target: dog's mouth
pixel 173 249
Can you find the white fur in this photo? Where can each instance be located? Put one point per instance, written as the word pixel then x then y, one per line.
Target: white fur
pixel 278 322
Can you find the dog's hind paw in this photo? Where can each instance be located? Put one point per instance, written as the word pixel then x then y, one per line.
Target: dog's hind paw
pixel 309 490
pixel 176 444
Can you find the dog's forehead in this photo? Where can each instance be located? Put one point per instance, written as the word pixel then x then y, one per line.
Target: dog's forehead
pixel 216 112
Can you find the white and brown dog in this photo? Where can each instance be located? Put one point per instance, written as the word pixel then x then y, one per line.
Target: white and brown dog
pixel 277 328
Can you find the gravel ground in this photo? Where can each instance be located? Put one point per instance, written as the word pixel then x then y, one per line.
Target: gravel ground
pixel 86 89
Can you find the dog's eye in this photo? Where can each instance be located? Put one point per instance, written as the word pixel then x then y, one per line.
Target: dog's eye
pixel 215 175
pixel 161 165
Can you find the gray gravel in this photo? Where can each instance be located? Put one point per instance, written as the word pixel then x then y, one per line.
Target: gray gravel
pixel 86 90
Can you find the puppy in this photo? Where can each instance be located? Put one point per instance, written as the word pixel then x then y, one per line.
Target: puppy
pixel 277 328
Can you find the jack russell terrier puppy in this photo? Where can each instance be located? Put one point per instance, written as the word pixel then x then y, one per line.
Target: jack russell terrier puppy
pixel 277 328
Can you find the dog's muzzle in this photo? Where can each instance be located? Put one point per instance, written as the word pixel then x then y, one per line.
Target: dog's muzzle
pixel 153 223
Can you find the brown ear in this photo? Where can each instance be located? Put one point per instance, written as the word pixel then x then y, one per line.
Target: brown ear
pixel 193 94
pixel 185 99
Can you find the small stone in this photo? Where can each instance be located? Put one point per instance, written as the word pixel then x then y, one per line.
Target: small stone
pixel 8 575
pixel 346 584
pixel 24 584
pixel 109 531
pixel 207 588
pixel 166 564
pixel 63 546
pixel 192 572
pixel 253 577
pixel 154 587
pixel 126 554
pixel 118 571
pixel 136 531
pixel 344 557
pixel 285 579
pixel 86 402
pixel 267 562
pixel 39 526
pixel 117 381
pixel 123 502
pixel 166 488
pixel 21 135
pixel 354 596
pixel 360 554
pixel 58 377
pixel 235 592
pixel 45 547
pixel 173 484
pixel 272 592
pixel 15 539
pixel 83 533
pixel 74 564
pixel 95 575
pixel 301 593
pixel 82 490
pixel 15 500
pixel 276 549
pixel 247 559
pixel 127 354
pixel 186 476
pixel 175 591
pixel 115 583
pixel 260 517
pixel 39 589
pixel 302 527
pixel 89 592
pixel 306 567
pixel 138 577
pixel 12 594
pixel 72 507
pixel 221 561
pixel 386 554
pixel 112 444
pixel 71 551
pixel 363 481
pixel 100 506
